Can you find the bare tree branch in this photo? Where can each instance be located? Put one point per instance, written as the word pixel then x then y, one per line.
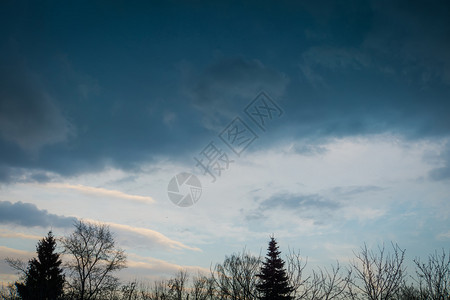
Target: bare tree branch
pixel 94 257
pixel 434 275
pixel 380 274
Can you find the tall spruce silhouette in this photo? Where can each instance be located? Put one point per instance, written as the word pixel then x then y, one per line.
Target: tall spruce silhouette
pixel 274 281
pixel 44 277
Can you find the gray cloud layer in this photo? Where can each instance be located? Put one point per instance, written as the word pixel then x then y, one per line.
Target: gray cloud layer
pixel 320 207
pixel 298 202
pixel 27 214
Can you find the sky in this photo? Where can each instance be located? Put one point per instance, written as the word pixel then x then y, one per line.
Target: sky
pixel 325 124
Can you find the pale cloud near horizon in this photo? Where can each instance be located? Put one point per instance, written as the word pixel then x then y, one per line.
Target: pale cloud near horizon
pixel 147 267
pixel 367 177
pixel 160 266
pixel 155 236
pixel 14 253
pixel 8 274
pixel 138 264
pixel 10 234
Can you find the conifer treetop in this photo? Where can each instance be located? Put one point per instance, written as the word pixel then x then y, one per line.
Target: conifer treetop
pixel 274 281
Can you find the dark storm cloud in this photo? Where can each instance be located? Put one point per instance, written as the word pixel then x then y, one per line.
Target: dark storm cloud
pixel 36 138
pixel 392 78
pixel 29 117
pixel 415 34
pixel 119 98
pixel 239 76
pixel 27 214
pixel 318 61
pixel 230 83
pixel 11 174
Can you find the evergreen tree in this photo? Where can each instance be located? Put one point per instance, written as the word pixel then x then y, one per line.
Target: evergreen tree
pixel 44 278
pixel 274 281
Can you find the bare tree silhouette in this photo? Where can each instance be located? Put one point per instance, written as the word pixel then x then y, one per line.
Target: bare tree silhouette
pixel 434 275
pixel 380 275
pixel 94 257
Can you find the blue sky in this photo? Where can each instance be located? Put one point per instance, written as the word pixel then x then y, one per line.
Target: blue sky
pixel 101 104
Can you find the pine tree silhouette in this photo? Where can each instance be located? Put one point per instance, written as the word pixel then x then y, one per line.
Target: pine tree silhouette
pixel 274 282
pixel 44 278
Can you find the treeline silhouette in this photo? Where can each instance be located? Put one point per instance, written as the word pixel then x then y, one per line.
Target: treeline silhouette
pixel 92 260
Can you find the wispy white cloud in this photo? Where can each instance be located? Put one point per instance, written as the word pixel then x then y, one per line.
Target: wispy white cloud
pixel 154 236
pixel 10 234
pixel 444 235
pixel 160 266
pixel 101 192
pixel 14 253
pixel 363 214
